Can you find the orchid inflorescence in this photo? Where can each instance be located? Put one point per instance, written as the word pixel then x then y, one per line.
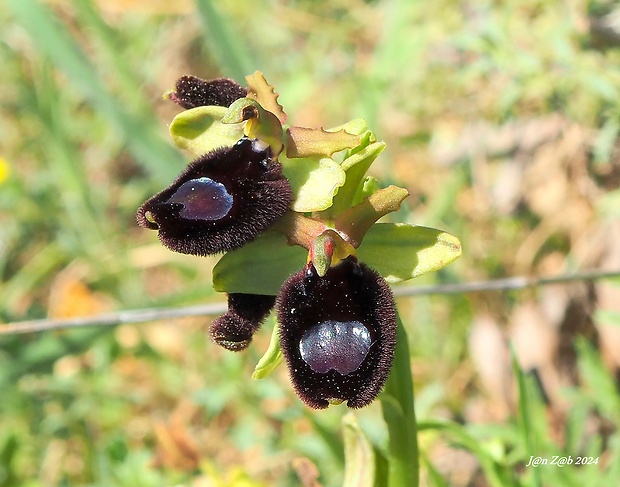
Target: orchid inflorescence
pixel 294 213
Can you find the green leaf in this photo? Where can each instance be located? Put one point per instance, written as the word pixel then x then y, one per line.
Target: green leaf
pixel 271 359
pixel 259 267
pixel 359 470
pixel 200 130
pixel 314 182
pixel 399 251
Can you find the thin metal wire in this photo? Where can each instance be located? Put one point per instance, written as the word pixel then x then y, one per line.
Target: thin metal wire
pixel 506 284
pixel 112 319
pixel 159 314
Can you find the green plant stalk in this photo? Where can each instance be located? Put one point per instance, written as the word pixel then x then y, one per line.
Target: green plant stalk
pixel 399 416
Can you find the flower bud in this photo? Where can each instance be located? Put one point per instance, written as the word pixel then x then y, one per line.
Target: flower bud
pixel 221 201
pixel 192 92
pixel 337 333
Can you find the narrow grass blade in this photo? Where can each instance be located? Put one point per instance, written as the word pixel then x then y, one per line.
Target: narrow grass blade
pixel 434 476
pixel 525 416
pixel 598 379
pixel 110 46
pixel 459 435
pixel 232 57
pixel 53 40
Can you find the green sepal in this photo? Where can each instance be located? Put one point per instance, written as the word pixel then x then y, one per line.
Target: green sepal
pixel 314 182
pixel 359 455
pixel 357 220
pixel 399 251
pixel 271 359
pixel 355 167
pixel 259 267
pixel 200 130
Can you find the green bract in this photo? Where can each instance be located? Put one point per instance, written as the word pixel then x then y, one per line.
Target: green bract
pixel 259 267
pixel 412 250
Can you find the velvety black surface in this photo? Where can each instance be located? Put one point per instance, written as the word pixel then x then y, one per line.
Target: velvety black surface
pixel 194 92
pixel 246 312
pixel 260 196
pixel 252 307
pixel 349 292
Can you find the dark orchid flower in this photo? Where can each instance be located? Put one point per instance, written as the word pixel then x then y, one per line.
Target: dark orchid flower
pixel 220 201
pixel 336 317
pixel 246 313
pixel 337 333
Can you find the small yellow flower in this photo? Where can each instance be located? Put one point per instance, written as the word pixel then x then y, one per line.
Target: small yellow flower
pixel 4 169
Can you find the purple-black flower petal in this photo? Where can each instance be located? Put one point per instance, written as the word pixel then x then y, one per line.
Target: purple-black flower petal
pixel 337 333
pixel 221 201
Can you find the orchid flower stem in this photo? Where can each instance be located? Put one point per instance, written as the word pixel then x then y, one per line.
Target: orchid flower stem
pixel 399 415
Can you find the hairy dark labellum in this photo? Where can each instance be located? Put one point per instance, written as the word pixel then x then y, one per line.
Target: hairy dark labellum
pixel 246 312
pixel 337 333
pixel 192 92
pixel 221 201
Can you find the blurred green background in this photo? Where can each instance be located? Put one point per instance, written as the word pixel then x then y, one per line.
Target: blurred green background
pixel 501 118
